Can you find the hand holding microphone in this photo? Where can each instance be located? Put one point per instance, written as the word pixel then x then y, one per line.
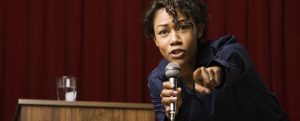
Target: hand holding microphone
pixel 171 94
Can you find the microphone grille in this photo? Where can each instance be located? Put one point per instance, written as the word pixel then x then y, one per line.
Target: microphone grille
pixel 172 70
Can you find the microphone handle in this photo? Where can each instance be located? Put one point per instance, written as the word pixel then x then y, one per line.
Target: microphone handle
pixel 173 105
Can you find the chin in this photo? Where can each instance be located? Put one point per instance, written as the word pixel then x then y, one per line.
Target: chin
pixel 180 62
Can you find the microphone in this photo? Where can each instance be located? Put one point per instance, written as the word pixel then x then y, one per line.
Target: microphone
pixel 172 72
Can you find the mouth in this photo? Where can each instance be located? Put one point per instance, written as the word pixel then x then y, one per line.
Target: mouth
pixel 177 53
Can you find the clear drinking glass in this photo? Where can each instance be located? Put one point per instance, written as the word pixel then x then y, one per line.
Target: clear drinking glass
pixel 66 88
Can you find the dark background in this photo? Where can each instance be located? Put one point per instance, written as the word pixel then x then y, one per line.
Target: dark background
pixel 101 42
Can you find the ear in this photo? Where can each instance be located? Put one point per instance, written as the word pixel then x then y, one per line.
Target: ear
pixel 200 28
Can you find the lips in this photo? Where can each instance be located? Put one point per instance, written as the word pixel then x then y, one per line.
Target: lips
pixel 177 53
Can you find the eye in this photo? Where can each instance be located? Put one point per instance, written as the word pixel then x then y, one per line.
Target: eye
pixel 163 32
pixel 183 27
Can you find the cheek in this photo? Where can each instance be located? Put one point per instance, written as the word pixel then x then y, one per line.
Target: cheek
pixel 164 53
pixel 163 48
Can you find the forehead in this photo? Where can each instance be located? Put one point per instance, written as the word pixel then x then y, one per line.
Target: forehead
pixel 161 16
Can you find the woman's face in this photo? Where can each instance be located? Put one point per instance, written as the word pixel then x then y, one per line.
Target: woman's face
pixel 176 43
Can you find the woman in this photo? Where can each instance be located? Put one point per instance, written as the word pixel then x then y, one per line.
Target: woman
pixel 218 81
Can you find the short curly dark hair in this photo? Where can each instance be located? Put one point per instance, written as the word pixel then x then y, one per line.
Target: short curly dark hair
pixel 194 8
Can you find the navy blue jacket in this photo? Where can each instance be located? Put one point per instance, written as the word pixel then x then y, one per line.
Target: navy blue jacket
pixel 242 95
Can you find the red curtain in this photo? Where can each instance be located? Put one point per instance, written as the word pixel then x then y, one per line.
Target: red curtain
pixel 101 42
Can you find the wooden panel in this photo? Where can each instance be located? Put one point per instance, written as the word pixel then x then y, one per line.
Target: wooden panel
pixel 85 111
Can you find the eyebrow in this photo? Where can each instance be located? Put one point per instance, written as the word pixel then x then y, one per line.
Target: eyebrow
pixel 166 24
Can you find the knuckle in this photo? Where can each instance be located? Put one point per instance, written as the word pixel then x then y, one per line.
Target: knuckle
pixel 218 70
pixel 208 69
pixel 163 93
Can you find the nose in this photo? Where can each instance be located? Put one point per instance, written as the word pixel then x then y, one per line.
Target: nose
pixel 175 38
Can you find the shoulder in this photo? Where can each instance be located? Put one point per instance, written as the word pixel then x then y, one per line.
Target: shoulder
pixel 156 78
pixel 224 42
pixel 226 46
pixel 158 73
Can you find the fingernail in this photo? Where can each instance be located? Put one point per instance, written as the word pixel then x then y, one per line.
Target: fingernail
pixel 174 98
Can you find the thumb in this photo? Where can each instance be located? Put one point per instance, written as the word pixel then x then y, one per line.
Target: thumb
pixel 201 89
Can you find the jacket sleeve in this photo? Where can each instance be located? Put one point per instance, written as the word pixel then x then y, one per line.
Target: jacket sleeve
pixel 234 61
pixel 252 98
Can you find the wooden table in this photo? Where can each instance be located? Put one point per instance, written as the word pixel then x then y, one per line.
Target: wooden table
pixel 52 110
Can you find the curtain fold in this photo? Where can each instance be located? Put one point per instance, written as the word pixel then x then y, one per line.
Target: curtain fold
pixel 101 43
